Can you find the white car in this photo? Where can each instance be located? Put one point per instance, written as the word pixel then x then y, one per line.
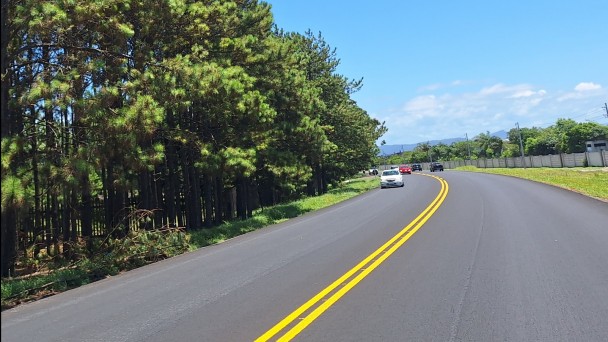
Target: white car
pixel 391 178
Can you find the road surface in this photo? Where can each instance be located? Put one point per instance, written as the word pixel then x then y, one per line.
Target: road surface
pixel 474 257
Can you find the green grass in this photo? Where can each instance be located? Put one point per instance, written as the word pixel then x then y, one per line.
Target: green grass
pixel 590 181
pixel 282 212
pixel 15 291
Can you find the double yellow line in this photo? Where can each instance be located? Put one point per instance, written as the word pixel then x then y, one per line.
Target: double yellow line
pixel 360 271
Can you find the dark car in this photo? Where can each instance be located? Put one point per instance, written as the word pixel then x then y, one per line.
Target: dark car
pixel 436 166
pixel 416 167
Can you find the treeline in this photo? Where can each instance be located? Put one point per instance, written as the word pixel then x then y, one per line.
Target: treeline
pixel 565 136
pixel 120 115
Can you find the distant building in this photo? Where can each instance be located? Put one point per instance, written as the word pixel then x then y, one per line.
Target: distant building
pixel 596 145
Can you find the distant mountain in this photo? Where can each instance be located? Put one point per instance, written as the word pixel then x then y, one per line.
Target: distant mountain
pixel 392 149
pixel 501 134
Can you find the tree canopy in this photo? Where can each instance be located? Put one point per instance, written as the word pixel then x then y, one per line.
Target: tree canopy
pixel 126 115
pixel 565 136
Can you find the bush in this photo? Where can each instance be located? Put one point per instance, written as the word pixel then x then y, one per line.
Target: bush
pixel 107 257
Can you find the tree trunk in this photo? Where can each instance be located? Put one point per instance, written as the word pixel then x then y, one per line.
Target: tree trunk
pixel 322 180
pixel 107 209
pixel 171 190
pixel 37 225
pixel 231 204
pixel 251 197
pixel 66 221
pixel 171 184
pixel 9 238
pixel 218 199
pixel 145 196
pixel 86 210
pixel 187 188
pixel 115 220
pixel 48 223
pixel 157 198
pixel 208 200
pixel 6 72
pixel 9 216
pixel 241 210
pixel 197 208
pixel 55 227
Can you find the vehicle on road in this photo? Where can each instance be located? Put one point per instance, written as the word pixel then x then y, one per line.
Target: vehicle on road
pixel 403 169
pixel 436 166
pixel 391 178
pixel 416 167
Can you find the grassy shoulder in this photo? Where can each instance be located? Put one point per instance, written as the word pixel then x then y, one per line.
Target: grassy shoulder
pixel 113 256
pixel 267 216
pixel 590 181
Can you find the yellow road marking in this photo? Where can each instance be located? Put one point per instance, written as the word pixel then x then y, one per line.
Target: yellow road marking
pixel 394 243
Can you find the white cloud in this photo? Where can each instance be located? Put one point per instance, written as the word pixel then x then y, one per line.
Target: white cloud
pixel 523 93
pixel 437 86
pixel 585 86
pixel 431 87
pixel 495 89
pixel 493 108
pixel 512 91
pixel 581 91
pixel 528 93
pixel 426 105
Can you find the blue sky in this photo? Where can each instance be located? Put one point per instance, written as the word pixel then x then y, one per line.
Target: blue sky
pixel 438 69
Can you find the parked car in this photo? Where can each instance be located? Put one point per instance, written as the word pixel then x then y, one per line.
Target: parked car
pixel 416 167
pixel 391 178
pixel 403 169
pixel 393 167
pixel 373 171
pixel 436 166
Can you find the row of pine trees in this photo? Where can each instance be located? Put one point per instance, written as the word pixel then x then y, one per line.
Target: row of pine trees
pixel 120 115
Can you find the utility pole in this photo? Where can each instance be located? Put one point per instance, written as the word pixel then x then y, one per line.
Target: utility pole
pixel 468 145
pixel 606 108
pixel 521 146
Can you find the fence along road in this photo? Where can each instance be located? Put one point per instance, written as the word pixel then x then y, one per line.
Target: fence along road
pixel 554 160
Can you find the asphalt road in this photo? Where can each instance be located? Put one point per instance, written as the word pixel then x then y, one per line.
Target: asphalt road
pixel 497 259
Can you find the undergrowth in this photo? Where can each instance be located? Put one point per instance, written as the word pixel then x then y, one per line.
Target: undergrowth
pixel 41 277
pixel 108 257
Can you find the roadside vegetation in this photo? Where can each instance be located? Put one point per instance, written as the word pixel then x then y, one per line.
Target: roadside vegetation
pixel 590 181
pixel 110 257
pixel 165 114
pixel 267 216
pixel 565 136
